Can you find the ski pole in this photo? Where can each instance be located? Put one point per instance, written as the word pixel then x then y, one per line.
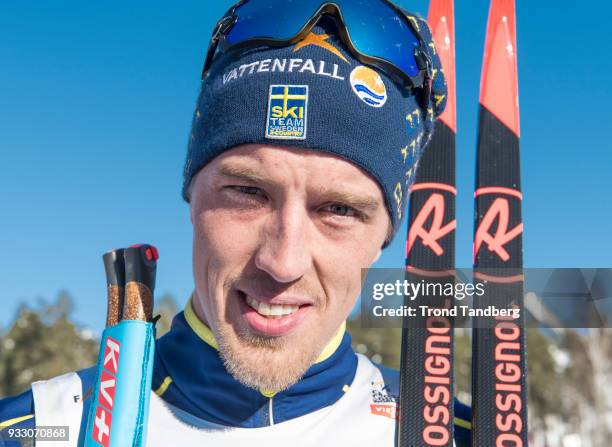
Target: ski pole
pixel 119 409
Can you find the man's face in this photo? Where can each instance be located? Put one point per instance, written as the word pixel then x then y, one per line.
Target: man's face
pixel 280 237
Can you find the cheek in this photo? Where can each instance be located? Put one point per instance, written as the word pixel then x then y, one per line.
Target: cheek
pixel 221 249
pixel 354 254
pixel 341 267
pixel 221 244
pixel 342 278
pixel 222 234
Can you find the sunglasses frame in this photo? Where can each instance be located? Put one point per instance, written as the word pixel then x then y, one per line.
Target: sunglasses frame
pixel 329 8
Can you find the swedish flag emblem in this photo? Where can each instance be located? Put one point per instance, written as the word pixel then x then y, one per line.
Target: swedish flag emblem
pixel 287 112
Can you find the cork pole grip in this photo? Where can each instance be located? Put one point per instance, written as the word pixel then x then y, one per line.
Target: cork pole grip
pixel 138 304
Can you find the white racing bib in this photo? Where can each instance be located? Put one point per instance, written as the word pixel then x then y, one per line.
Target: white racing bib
pixel 363 417
pixel 355 420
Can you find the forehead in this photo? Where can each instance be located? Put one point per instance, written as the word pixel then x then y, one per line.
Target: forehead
pixel 286 166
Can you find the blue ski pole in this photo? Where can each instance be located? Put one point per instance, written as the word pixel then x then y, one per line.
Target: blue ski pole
pixel 120 407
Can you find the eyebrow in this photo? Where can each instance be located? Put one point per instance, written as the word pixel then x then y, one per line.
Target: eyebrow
pixel 357 201
pixel 243 173
pixel 362 202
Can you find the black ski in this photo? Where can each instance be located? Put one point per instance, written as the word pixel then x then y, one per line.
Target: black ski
pixel 426 382
pixel 499 385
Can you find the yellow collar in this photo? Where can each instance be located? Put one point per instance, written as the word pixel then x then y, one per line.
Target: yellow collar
pixel 204 332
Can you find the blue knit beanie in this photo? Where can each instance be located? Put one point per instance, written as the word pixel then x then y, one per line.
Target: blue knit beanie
pixel 316 95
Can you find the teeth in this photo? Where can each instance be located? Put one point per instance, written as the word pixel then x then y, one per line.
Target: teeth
pixel 267 310
pixel 276 310
pixel 264 309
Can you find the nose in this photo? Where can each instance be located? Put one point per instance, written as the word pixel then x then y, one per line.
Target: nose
pixel 284 252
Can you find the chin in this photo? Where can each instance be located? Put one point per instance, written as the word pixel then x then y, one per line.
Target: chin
pixel 266 363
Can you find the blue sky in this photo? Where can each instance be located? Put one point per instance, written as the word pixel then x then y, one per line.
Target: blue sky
pixel 95 108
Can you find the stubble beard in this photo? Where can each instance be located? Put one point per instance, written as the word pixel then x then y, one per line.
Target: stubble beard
pixel 266 363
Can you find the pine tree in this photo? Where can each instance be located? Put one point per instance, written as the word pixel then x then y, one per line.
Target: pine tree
pixel 42 343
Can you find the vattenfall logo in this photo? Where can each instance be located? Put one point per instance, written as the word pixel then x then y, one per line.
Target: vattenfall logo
pixel 322 68
pixel 287 117
pixel 369 86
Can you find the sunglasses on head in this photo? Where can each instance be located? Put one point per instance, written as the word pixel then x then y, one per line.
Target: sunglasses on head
pixel 376 32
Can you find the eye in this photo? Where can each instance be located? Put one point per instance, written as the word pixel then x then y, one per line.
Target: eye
pixel 341 210
pixel 248 190
pixel 245 195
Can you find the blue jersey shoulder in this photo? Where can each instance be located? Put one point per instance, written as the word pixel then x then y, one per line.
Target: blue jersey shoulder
pixel 463 413
pixel 16 412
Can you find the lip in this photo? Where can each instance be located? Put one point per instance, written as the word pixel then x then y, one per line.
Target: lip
pixel 273 327
pixel 277 300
